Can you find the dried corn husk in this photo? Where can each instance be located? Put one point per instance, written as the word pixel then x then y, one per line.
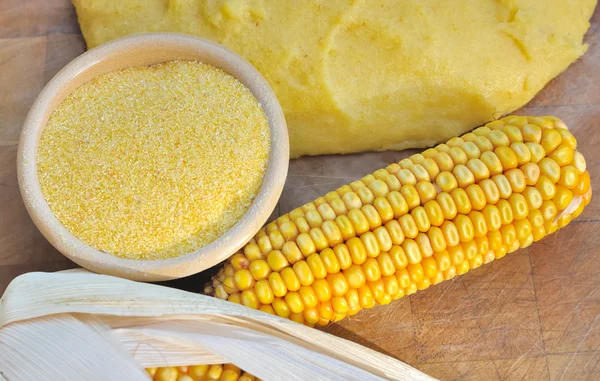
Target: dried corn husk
pixel 78 325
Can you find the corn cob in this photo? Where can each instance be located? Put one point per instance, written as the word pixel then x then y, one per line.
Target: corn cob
pixel 227 372
pixel 419 222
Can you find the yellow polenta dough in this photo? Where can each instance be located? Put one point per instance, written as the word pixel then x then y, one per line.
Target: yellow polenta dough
pixel 374 74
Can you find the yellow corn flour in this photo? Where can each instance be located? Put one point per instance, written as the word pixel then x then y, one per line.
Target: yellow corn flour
pixel 154 162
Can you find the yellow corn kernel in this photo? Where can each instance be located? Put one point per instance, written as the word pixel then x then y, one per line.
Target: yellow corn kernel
pixel 476 262
pixel 464 227
pixel 326 212
pixel 277 239
pixel 304 273
pixel 406 177
pixel 426 191
pixel 250 299
pixel 403 278
pixel 429 267
pixel 365 297
pixel 340 305
pixel 532 133
pixel 229 284
pixel 313 218
pixel 533 197
pixel 470 149
pixel 359 221
pixel 371 269
pixel 365 195
pixel 459 157
pixel 252 252
pixel 531 171
pixel 463 268
pixel 411 289
pixel 370 243
pixel 378 188
pixel 431 167
pixel 281 308
pixel 260 269
pixel 569 177
pixel 357 250
pixel 243 279
pixel 322 290
pixel 306 244
pixel 353 301
pixel 470 249
pixel 352 201
pixel 339 207
pixel 434 212
pixel 424 244
pixel 332 233
pixel 166 374
pixel 579 162
pixel 479 169
pixel 523 229
pixel 437 240
pixel 398 203
pixel 447 204
pixel 421 220
pixel 239 261
pixel 343 256
pixel 386 264
pixel 519 206
pixel 584 184
pixel 339 284
pixel 292 283
pixel 450 233
pixel 492 162
pixel 509 234
pixel 476 196
pixel 507 157
pixel 546 188
pixel 479 223
pixel 409 226
pixel 346 227
pixel 563 155
pixel 277 261
pixel 444 161
pixel 498 138
pixel 442 260
pixel 537 152
pixel 384 209
pixel 308 297
pixel 562 198
pixel 235 298
pixel 411 196
pixel 330 261
pixel 395 233
pixel 492 216
pixel 450 273
pixel 463 176
pixel 461 200
pixel 550 169
pixel 294 302
pixel 267 308
pixel 355 276
pixel 522 152
pixel 316 265
pixel 297 317
pixel 516 179
pixel 277 284
pixel 411 249
pixel 513 133
pixel 551 139
pixel 393 183
pixel 378 290
pixel 264 244
pixel 263 291
pixel 415 270
pixel 503 186
pixel 457 254
pixel 391 285
pixel 398 257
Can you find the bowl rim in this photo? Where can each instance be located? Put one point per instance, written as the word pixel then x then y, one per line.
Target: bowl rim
pixel 161 269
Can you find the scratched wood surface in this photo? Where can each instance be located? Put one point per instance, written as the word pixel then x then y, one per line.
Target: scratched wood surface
pixel 534 315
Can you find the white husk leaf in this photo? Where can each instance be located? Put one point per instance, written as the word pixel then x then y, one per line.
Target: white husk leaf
pixel 80 325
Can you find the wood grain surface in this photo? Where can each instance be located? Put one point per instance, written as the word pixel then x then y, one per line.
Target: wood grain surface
pixel 534 315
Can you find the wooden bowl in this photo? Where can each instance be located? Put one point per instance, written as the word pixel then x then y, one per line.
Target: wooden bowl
pixel 141 50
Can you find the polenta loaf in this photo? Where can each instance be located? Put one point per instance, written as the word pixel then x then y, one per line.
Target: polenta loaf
pixel 374 75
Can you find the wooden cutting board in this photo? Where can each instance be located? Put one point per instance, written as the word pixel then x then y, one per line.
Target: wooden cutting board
pixel 534 315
